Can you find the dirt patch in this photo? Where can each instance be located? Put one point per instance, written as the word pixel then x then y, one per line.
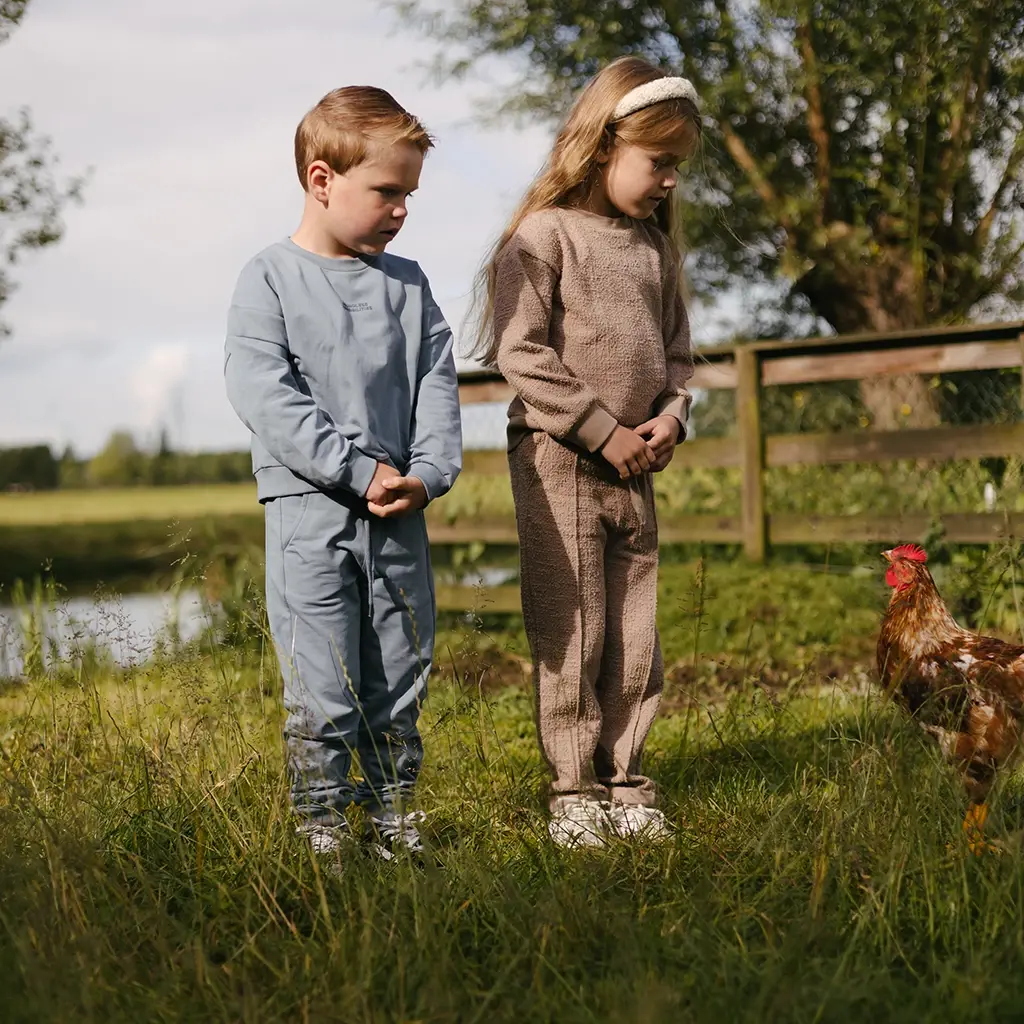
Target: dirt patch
pixel 715 679
pixel 484 669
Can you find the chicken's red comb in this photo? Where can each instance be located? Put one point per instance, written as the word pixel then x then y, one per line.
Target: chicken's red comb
pixel 913 552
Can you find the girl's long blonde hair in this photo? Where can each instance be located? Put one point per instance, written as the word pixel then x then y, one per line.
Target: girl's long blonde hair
pixel 570 171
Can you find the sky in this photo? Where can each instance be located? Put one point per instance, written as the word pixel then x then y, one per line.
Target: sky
pixel 184 115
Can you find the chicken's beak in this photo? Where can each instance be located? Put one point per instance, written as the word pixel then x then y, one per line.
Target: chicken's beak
pixel 887 555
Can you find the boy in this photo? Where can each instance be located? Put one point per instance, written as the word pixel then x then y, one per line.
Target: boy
pixel 341 365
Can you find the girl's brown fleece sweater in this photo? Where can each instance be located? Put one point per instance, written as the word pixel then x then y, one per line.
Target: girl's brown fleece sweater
pixel 591 327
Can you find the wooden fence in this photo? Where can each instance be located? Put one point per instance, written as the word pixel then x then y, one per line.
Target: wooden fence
pixel 746 369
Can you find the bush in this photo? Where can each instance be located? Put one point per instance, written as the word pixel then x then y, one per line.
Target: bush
pixel 33 468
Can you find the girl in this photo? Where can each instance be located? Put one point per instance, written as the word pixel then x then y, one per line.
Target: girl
pixel 585 319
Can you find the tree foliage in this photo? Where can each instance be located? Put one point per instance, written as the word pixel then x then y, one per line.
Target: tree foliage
pixel 867 157
pixel 29 468
pixel 123 463
pixel 31 197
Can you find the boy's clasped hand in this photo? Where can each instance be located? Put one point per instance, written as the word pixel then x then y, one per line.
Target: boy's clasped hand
pixel 391 494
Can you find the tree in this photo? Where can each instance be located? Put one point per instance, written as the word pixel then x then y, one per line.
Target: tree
pixel 865 159
pixel 163 462
pixel 71 471
pixel 31 199
pixel 118 464
pixel 30 468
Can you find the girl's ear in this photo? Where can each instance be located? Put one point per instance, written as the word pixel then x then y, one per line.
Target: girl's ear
pixel 604 151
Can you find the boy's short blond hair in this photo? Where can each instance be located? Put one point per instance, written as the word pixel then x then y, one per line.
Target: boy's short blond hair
pixel 343 126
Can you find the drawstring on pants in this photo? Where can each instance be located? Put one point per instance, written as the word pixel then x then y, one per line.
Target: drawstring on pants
pixel 368 563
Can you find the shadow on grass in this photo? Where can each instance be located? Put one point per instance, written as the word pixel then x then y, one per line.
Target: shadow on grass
pixel 788 748
pixel 149 871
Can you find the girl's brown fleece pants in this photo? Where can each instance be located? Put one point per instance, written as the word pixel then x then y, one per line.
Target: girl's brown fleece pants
pixel 588 547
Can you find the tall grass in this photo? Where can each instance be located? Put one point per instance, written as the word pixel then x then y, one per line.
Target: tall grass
pixel 150 872
pixel 149 869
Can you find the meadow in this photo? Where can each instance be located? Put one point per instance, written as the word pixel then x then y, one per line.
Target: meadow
pixel 149 869
pixel 140 537
pixel 126 504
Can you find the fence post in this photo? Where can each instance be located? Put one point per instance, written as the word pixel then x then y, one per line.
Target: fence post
pixel 748 422
pixel 1020 342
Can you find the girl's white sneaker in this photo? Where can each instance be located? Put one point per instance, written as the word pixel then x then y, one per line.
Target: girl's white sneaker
pixel 634 821
pixel 580 821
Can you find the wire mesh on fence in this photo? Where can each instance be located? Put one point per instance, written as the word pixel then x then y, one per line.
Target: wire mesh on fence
pixel 848 407
pixel 896 402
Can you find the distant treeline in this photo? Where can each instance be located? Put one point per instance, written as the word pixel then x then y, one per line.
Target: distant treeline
pixel 121 463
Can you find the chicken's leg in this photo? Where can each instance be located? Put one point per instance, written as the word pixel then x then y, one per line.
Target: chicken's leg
pixel 974 821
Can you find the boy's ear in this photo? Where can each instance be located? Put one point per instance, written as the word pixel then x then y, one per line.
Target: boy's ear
pixel 319 176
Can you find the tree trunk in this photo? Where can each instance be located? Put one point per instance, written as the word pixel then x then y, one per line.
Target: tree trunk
pixel 879 297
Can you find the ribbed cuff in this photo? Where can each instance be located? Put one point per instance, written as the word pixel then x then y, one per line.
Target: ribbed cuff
pixel 595 428
pixel 433 480
pixel 357 473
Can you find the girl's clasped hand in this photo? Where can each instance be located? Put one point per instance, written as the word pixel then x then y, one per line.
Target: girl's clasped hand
pixel 646 449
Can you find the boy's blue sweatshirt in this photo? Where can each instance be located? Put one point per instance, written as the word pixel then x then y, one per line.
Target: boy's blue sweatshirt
pixel 337 364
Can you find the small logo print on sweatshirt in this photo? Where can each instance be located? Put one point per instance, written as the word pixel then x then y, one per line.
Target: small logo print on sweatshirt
pixel 358 307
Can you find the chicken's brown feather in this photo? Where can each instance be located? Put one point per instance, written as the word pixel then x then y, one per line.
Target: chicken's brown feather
pixel 965 689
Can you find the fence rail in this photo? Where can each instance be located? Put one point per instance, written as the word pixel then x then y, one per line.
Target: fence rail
pixel 748 368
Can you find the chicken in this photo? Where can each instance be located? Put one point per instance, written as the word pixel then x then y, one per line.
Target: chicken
pixel 964 689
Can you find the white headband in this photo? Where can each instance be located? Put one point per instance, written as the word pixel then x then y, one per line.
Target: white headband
pixel 655 92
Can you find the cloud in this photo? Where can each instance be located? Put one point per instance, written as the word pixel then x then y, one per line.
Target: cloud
pixel 186 114
pixel 157 383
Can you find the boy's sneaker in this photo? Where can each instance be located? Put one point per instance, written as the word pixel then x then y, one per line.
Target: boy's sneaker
pixel 391 832
pixel 634 821
pixel 579 821
pixel 325 839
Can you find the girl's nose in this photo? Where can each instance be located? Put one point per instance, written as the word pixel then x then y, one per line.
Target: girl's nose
pixel 670 180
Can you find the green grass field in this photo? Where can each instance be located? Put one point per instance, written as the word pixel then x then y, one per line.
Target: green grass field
pixel 149 870
pixel 139 537
pixel 124 505
pixel 490 496
pixel 483 492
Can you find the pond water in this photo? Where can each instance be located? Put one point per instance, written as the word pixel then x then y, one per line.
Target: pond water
pixel 493 577
pixel 130 626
